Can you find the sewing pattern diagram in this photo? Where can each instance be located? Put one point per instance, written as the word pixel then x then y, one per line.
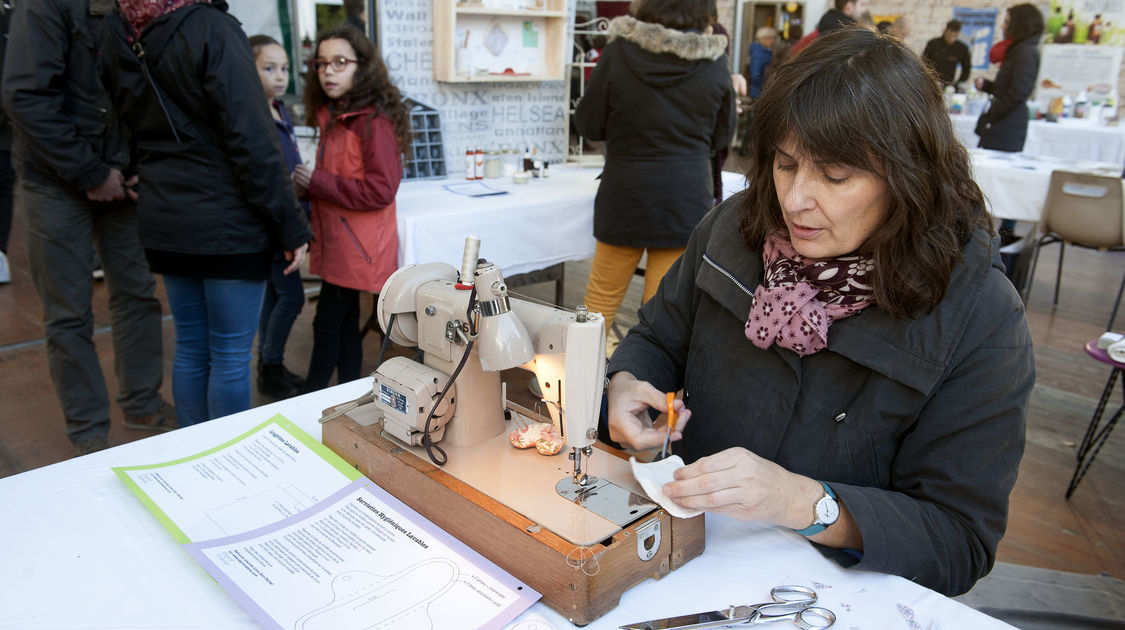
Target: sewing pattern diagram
pixel 367 601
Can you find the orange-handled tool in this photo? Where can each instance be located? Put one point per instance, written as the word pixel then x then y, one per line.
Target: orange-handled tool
pixel 671 424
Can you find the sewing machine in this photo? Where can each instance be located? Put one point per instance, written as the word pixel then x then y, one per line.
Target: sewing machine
pixel 575 527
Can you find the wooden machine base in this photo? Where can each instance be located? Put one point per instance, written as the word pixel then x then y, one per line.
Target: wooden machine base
pixel 538 557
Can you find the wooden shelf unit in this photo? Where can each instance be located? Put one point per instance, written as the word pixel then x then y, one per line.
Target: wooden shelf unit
pixel 553 40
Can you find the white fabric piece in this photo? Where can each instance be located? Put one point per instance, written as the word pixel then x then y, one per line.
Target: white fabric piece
pixel 1116 351
pixel 652 477
pixel 1108 339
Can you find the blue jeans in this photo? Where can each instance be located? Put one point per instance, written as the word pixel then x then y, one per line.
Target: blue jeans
pixel 285 296
pixel 216 319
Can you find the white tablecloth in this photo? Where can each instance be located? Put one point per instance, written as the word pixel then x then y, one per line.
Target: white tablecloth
pixel 80 551
pixel 535 225
pixel 1068 139
pixel 1015 184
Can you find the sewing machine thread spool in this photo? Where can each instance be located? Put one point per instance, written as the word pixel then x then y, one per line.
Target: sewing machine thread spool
pixel 469 261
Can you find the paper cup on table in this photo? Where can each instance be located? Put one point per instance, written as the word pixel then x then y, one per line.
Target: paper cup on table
pixel 652 477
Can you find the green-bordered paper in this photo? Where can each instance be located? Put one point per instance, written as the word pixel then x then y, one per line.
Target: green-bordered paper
pixel 270 472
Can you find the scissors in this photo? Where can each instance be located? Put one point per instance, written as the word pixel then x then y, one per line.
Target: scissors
pixel 790 603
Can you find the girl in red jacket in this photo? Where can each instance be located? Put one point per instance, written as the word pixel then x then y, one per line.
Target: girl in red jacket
pixel 364 127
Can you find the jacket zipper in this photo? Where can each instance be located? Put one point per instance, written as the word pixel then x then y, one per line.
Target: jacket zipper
pixel 729 275
pixel 355 241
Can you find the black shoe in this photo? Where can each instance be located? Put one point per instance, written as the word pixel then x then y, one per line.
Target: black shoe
pixel 91 445
pixel 272 381
pixel 297 381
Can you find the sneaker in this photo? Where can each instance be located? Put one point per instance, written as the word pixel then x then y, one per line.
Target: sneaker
pixel 91 445
pixel 5 270
pixel 272 381
pixel 163 420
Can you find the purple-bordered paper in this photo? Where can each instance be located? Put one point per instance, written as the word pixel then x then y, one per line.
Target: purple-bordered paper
pixel 362 559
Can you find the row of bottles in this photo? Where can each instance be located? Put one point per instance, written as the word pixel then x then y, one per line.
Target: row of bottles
pixel 481 164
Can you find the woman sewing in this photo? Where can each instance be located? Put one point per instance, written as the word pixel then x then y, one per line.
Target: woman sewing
pixel 854 364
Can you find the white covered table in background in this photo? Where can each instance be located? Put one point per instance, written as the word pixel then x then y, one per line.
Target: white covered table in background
pixel 536 225
pixel 82 552
pixel 1015 184
pixel 1068 139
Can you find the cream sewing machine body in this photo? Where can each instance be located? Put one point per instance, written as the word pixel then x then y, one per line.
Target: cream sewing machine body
pixel 576 527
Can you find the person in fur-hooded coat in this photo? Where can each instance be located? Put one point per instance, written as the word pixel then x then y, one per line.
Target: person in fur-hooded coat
pixel 661 99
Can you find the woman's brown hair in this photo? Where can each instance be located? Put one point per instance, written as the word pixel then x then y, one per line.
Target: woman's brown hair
pixel 858 98
pixel 372 86
pixel 681 15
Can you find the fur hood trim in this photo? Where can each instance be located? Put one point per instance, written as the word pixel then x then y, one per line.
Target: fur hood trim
pixel 659 39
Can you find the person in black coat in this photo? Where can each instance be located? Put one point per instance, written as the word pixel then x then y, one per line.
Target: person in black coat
pixel 841 332
pixel 1003 127
pixel 661 98
pixel 215 200
pixel 73 171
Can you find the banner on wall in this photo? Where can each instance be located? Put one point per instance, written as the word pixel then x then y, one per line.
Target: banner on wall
pixel 485 115
pixel 1070 70
pixel 978 31
pixel 1100 22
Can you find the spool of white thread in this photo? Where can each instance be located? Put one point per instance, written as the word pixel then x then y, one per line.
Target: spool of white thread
pixel 469 260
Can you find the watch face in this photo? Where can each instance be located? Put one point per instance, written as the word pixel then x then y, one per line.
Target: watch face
pixel 827 511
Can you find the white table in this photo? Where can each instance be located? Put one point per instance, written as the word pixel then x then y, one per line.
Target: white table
pixel 1068 139
pixel 1015 184
pixel 535 225
pixel 80 551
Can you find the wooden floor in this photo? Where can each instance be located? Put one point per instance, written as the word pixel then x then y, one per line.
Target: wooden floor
pixel 1083 535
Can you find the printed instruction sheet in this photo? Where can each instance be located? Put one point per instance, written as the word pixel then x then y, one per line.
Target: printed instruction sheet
pixel 271 472
pixel 361 559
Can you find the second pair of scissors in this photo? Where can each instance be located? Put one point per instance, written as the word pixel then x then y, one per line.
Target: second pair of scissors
pixel 790 603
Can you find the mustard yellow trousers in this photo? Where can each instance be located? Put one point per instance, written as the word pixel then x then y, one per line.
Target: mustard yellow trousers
pixel 612 270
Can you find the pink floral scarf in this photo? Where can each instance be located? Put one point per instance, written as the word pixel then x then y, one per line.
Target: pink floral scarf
pixel 801 297
pixel 140 12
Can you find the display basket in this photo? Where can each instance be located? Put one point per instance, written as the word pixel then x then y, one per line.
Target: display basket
pixel 426 159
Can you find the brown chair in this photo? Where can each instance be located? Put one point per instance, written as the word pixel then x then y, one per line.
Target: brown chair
pixel 1084 210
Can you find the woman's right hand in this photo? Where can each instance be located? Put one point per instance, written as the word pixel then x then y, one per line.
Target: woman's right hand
pixel 295 258
pixel 302 175
pixel 629 402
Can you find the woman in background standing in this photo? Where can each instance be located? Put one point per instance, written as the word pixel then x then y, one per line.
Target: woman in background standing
pixel 1003 127
pixel 215 200
pixel 661 98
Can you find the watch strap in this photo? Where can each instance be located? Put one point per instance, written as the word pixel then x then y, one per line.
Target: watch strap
pixel 817 526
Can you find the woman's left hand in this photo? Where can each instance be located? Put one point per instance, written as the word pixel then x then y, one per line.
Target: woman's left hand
pixel 742 485
pixel 295 258
pixel 302 175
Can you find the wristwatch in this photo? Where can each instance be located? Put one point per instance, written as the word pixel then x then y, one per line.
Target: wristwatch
pixel 827 511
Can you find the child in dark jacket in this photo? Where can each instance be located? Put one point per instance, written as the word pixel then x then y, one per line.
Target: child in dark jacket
pixel 364 127
pixel 285 294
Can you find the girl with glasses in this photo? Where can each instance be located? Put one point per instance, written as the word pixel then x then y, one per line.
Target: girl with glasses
pixel 364 127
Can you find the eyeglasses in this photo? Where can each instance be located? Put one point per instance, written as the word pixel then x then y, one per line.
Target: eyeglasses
pixel 338 63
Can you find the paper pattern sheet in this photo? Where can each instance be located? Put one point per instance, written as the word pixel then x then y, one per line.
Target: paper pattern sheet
pixel 271 472
pixel 361 559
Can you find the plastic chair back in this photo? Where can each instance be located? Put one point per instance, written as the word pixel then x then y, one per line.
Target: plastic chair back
pixel 1084 209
